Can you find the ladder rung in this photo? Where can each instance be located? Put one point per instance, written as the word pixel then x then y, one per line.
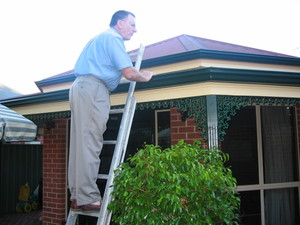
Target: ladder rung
pixel 115 111
pixel 133 54
pixel 124 81
pixel 94 214
pixel 102 176
pixel 110 142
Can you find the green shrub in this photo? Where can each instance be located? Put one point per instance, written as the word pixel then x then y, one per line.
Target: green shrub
pixel 181 185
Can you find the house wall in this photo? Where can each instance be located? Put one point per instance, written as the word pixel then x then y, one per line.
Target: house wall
pixel 55 200
pixel 54 173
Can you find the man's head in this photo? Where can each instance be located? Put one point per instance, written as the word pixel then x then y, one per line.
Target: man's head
pixel 124 22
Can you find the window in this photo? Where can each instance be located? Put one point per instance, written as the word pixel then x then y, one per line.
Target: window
pixel 262 144
pixel 162 128
pixel 241 144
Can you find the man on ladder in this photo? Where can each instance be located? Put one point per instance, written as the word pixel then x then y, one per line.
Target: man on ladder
pixel 99 69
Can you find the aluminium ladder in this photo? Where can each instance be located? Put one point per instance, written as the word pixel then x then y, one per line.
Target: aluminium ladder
pixel 104 216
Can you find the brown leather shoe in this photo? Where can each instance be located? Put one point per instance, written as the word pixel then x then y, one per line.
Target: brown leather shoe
pixel 74 206
pixel 91 208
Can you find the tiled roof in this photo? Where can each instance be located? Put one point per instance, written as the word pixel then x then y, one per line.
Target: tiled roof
pixel 185 43
pixel 67 73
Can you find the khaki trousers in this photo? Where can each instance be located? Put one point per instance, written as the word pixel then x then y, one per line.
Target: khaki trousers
pixel 90 105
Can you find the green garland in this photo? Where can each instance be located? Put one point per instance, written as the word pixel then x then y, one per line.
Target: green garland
pixel 227 107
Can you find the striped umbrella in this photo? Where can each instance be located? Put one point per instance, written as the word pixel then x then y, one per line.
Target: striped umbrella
pixel 15 127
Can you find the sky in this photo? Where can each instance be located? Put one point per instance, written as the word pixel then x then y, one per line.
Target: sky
pixel 42 38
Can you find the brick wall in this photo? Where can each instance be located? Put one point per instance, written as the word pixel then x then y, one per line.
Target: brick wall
pixel 185 130
pixel 54 173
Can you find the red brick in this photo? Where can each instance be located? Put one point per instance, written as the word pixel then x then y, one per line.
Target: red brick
pixel 47 170
pixel 61 186
pixel 55 160
pixel 191 123
pixel 178 136
pixel 51 195
pixel 47 140
pixel 59 181
pixel 174 117
pixel 177 123
pixel 189 141
pixel 61 165
pixel 58 200
pixel 59 211
pixel 51 175
pixel 174 130
pixel 193 135
pixel 46 219
pixel 52 137
pixel 62 139
pixel 58 150
pixel 58 220
pixel 186 129
pixel 51 146
pixel 47 161
pixel 47 200
pixel 59 170
pixel 173 110
pixel 61 195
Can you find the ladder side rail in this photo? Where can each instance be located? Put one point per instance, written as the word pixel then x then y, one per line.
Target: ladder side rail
pixel 108 218
pixel 130 96
pixel 137 66
pixel 118 160
pixel 120 143
pixel 114 164
pixel 132 109
pixel 72 217
pixel 138 62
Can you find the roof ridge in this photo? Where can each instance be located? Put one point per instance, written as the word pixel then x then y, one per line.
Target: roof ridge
pixel 240 46
pixel 189 43
pixel 161 42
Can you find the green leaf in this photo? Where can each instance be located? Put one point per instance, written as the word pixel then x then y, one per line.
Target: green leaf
pixel 183 184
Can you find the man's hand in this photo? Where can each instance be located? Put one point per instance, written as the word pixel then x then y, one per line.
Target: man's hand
pixel 148 75
pixel 131 73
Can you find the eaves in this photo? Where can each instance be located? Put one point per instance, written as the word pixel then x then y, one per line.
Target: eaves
pixel 178 78
pixel 221 55
pixel 196 54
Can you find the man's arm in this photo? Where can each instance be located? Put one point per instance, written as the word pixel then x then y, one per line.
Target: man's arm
pixel 131 73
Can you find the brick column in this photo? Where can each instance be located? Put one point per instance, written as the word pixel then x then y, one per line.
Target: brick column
pixel 54 173
pixel 183 130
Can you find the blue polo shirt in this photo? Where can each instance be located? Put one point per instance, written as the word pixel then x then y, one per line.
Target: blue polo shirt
pixel 103 57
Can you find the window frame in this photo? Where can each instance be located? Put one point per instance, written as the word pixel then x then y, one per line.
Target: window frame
pixel 262 186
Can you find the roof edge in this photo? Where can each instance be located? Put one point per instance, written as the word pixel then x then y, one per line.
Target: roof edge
pixel 221 55
pixel 196 54
pixel 177 78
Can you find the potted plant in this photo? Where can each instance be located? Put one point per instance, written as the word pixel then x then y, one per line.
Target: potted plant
pixel 183 184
